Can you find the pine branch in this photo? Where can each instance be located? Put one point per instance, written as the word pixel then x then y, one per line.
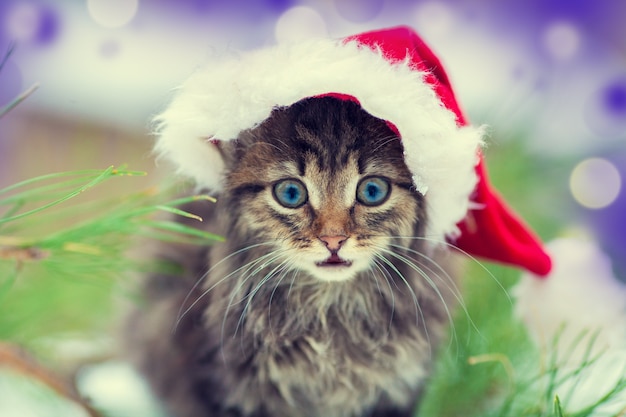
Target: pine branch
pixel 7 54
pixel 17 100
pixel 51 264
pixel 23 96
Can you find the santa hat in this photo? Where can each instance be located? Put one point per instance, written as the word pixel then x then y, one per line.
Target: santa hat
pixel 394 76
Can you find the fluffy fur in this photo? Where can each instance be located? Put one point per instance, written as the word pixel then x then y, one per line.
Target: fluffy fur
pixel 237 93
pixel 265 324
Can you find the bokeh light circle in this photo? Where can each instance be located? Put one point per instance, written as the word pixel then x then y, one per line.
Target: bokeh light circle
pixel 595 183
pixel 112 13
pixel 561 40
pixel 609 223
pixel 299 23
pixel 614 98
pixel 22 21
pixel 110 48
pixel 605 111
pixel 30 22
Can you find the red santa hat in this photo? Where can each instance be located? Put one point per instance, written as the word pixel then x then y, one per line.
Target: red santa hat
pixel 394 76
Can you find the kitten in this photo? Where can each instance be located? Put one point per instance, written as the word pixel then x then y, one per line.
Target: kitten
pixel 324 300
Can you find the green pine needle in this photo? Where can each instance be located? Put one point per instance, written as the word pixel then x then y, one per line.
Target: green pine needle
pixel 65 272
pixel 17 100
pixel 88 179
pixel 558 411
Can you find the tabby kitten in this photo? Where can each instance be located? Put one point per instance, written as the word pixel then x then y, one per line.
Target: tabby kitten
pixel 324 300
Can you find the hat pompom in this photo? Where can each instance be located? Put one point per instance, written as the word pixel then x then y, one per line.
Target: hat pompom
pixel 581 312
pixel 582 295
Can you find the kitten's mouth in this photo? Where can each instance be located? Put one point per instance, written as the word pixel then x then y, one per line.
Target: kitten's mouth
pixel 335 261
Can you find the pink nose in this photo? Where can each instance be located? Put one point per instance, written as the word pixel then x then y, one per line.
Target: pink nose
pixel 333 243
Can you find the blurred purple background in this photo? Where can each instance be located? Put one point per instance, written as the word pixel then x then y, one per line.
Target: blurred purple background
pixel 561 60
pixel 552 70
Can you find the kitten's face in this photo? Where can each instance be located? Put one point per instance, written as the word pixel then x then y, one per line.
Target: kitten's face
pixel 326 185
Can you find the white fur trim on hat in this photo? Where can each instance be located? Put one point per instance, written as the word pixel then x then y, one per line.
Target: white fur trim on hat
pixel 235 94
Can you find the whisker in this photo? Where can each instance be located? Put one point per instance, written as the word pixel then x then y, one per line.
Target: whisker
pixel 384 141
pixel 477 262
pixel 249 296
pixel 418 309
pixel 181 314
pixel 428 280
pixel 386 276
pixel 293 280
pixel 208 290
pixel 288 268
pixel 379 269
pixel 259 264
pixel 244 278
pixel 464 253
pixel 440 269
pixel 449 282
pixel 279 269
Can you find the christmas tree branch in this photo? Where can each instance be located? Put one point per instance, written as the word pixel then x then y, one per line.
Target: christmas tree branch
pixel 17 100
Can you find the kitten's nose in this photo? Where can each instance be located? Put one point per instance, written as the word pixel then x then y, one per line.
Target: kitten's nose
pixel 333 243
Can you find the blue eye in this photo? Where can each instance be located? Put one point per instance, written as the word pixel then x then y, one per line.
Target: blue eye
pixel 373 191
pixel 290 193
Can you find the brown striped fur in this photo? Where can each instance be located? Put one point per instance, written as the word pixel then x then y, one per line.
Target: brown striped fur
pixel 254 328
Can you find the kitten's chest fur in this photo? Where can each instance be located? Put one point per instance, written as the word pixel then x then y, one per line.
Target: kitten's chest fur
pixel 314 350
